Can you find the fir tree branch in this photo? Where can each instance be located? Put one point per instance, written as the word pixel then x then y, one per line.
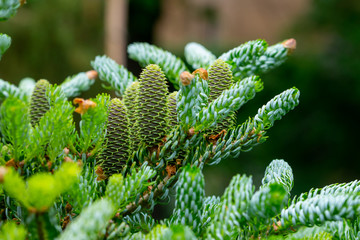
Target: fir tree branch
pixel 122 191
pixel 280 172
pixel 229 101
pixel 146 54
pixel 93 125
pixel 73 86
pixel 198 56
pixel 266 203
pixel 255 57
pixel 321 208
pixel 27 85
pixel 8 9
pixel 7 89
pixel 117 76
pixel 144 200
pixel 190 195
pixel 90 222
pixel 333 189
pixel 192 97
pixel 140 222
pixel 234 203
pixel 5 41
pixel 252 132
pixel 15 126
pixel 209 208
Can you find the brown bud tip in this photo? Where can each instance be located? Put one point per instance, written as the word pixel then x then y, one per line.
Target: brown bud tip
pixel 100 172
pixel 84 105
pixel 171 170
pixel 191 131
pixel 68 207
pixel 202 73
pixel 22 2
pixel 276 225
pixel 68 159
pixel 290 44
pixel 92 74
pixel 11 163
pixel 66 150
pixel 3 171
pixel 49 165
pixel 186 77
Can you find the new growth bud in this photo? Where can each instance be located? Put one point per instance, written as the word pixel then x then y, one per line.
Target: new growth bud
pixel 290 44
pixel 92 74
pixel 202 73
pixel 186 77
pixel 84 105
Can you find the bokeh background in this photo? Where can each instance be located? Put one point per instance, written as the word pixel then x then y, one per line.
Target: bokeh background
pixel 319 139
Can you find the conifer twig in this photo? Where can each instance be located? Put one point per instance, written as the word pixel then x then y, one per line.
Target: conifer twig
pixel 145 198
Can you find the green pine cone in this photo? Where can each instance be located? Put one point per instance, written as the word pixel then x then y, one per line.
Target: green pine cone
pixel 172 110
pixel 39 104
pixel 129 100
pixel 152 110
pixel 220 79
pixel 116 154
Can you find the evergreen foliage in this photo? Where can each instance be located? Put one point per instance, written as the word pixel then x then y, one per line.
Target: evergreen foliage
pixel 147 54
pixel 117 76
pixel 255 57
pixel 102 179
pixel 8 89
pixel 190 195
pixel 198 56
pixel 191 99
pixel 8 8
pixel 5 42
pixel 93 125
pixel 73 86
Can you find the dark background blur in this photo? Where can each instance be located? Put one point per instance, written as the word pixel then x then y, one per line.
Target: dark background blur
pixel 319 139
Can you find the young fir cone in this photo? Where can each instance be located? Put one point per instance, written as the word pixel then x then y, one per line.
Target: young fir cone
pixel 39 104
pixel 172 110
pixel 220 79
pixel 152 110
pixel 129 100
pixel 116 154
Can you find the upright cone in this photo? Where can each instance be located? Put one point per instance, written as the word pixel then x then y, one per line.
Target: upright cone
pixel 116 154
pixel 220 79
pixel 152 108
pixel 39 104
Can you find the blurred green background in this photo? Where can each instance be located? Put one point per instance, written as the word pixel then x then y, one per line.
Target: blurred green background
pixel 319 139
